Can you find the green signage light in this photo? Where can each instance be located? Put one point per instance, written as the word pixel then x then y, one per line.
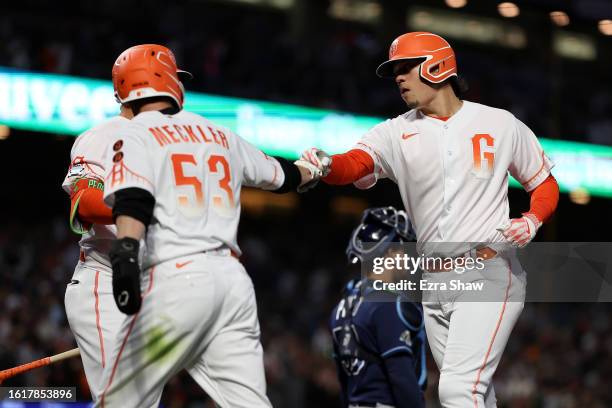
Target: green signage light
pixel 69 105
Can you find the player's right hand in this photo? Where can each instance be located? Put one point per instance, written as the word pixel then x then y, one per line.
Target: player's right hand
pixel 319 158
pixel 520 231
pixel 126 275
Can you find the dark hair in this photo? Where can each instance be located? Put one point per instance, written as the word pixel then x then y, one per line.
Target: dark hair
pixel 459 85
pixel 137 104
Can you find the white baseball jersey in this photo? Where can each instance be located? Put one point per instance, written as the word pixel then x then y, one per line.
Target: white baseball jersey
pixel 453 175
pixel 195 170
pixel 87 159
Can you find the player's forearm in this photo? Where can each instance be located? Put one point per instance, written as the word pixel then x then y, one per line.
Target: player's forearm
pixel 132 212
pixel 129 227
pixel 544 199
pixel 349 167
pixel 91 208
pixel 295 176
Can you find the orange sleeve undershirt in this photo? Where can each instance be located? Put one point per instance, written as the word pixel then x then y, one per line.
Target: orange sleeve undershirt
pixel 544 199
pixel 91 208
pixel 349 167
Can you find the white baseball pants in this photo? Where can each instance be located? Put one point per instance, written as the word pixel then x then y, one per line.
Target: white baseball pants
pixel 93 318
pixel 467 336
pixel 198 313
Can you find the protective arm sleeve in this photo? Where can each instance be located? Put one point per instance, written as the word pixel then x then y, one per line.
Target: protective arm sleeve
pixel 403 381
pixel 544 199
pixel 136 203
pixel 90 207
pixel 87 205
pixel 349 167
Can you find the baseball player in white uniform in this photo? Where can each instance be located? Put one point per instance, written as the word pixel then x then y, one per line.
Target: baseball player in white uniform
pixel 450 159
pixel 90 307
pixel 174 178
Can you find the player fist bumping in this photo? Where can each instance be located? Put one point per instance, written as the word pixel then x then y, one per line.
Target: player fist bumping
pixel 126 275
pixel 521 231
pixel 317 162
pixel 319 158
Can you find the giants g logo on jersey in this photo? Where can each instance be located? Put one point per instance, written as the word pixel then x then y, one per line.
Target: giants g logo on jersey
pixel 483 149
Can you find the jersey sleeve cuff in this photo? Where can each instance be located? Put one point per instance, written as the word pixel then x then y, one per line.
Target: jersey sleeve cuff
pixel 541 175
pixel 371 179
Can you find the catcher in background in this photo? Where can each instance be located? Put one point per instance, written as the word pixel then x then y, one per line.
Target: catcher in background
pixel 379 337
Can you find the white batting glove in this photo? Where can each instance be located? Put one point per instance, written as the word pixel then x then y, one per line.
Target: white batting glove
pixel 319 158
pixel 315 175
pixel 521 231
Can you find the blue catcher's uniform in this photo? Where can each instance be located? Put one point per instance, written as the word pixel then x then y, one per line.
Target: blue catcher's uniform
pixel 379 348
pixel 379 338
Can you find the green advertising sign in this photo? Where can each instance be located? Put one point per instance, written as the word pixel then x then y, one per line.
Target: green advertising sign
pixel 69 105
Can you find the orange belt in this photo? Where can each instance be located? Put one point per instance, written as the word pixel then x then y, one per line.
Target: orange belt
pixel 485 253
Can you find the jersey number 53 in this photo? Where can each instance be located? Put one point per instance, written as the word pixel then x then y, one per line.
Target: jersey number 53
pixel 222 202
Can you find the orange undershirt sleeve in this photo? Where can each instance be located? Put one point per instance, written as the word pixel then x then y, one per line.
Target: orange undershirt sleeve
pixel 544 199
pixel 87 206
pixel 349 167
pixel 92 209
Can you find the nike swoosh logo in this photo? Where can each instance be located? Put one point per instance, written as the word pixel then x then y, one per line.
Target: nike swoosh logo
pixel 180 265
pixel 408 135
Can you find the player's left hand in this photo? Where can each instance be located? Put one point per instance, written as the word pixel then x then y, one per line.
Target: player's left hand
pixel 126 275
pixel 310 175
pixel 521 231
pixel 319 158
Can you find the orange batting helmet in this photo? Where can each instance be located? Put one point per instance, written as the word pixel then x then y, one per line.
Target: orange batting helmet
pixel 148 70
pixel 435 51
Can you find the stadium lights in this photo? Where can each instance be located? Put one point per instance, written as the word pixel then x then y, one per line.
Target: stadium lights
pixel 456 3
pixel 257 202
pixel 508 9
pixel 559 18
pixel 348 206
pixel 5 131
pixel 467 27
pixel 365 11
pixel 580 196
pixel 605 27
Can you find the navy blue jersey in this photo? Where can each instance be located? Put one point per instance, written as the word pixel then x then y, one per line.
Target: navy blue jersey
pixel 379 347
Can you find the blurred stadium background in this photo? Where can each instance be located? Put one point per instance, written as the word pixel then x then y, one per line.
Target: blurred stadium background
pixel 547 61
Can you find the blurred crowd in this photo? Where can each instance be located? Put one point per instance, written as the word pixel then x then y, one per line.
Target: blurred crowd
pixel 265 54
pixel 559 355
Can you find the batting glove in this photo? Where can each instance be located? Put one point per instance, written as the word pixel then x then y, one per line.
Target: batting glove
pixel 319 158
pixel 522 230
pixel 315 175
pixel 126 275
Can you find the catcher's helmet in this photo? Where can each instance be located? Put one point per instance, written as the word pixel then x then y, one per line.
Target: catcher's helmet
pixel 379 228
pixel 148 70
pixel 434 50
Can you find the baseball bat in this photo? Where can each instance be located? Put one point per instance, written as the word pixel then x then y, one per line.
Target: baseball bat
pixel 11 372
